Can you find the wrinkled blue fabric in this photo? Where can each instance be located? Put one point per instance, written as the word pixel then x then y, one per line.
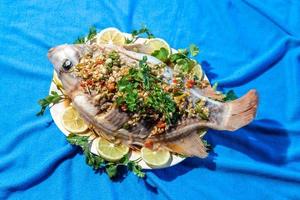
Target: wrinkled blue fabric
pixel 244 44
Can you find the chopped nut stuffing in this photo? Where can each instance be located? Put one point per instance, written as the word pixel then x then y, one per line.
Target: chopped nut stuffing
pixel 138 88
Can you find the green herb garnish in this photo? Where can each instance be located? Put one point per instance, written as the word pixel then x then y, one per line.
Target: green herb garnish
pixel 161 54
pixel 98 163
pixel 207 145
pixel 83 39
pixel 135 34
pixel 82 141
pixel 194 50
pixel 200 112
pixel 230 96
pixel 141 78
pixel 80 40
pixel 129 87
pixel 92 33
pixel 161 102
pixel 181 58
pixel 50 100
pixel 215 86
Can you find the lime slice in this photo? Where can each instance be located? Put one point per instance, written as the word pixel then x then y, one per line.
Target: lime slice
pixel 155 44
pixel 197 71
pixel 72 121
pixel 110 151
pixel 155 158
pixel 110 36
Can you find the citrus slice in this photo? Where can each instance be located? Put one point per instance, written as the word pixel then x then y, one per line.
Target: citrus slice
pixel 156 44
pixel 88 132
pixel 155 158
pixel 110 36
pixel 110 151
pixel 197 71
pixel 56 80
pixel 72 121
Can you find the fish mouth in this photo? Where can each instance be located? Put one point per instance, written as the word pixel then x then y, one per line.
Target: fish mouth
pixel 51 52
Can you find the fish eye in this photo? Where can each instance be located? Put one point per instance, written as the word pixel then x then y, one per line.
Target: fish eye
pixel 67 64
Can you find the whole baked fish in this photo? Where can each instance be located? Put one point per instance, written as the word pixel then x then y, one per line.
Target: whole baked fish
pixel 136 99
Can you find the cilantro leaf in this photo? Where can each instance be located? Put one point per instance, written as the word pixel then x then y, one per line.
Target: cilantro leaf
pixel 177 56
pixel 82 141
pixel 158 100
pixel 83 39
pixel 77 140
pixel 135 34
pixel 215 86
pixel 161 54
pixel 80 40
pixel 184 52
pixel 111 170
pixel 161 102
pixel 97 162
pixel 136 169
pixel 207 145
pixel 145 72
pixel 230 96
pixel 93 160
pixel 186 65
pixel 194 50
pixel 49 100
pixel 92 33
pixel 182 59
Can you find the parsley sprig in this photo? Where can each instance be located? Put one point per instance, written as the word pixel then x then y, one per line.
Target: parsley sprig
pixel 49 101
pixel 230 96
pixel 135 34
pixel 83 39
pixel 180 58
pixel 98 163
pixel 141 79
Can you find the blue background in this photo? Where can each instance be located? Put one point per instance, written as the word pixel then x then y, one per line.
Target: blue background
pixel 244 45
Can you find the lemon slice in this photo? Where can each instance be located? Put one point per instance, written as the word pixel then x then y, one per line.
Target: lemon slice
pixel 110 36
pixel 110 151
pixel 56 80
pixel 72 121
pixel 88 132
pixel 156 44
pixel 155 158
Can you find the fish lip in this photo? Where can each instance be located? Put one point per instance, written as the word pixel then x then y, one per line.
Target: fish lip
pixel 53 50
pixel 50 53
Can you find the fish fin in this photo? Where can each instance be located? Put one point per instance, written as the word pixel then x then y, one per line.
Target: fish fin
pixel 190 145
pixel 211 93
pixel 241 111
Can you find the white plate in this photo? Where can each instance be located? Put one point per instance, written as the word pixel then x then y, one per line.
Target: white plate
pixel 58 109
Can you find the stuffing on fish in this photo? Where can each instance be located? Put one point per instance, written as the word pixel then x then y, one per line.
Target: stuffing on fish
pixel 136 99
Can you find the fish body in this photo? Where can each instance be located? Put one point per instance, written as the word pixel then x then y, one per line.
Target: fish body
pixel 181 137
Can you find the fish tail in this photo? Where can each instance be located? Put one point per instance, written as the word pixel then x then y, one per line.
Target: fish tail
pixel 190 145
pixel 241 111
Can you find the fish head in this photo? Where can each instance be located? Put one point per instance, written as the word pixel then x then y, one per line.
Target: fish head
pixel 64 58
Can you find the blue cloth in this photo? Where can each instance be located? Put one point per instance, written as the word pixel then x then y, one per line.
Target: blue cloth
pixel 244 44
